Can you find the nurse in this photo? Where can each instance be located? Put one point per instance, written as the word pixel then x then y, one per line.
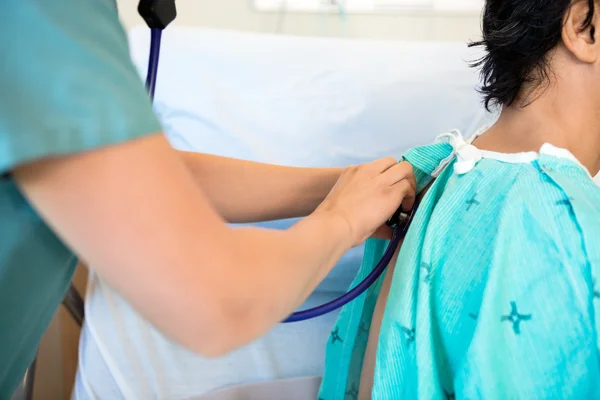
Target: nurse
pixel 85 172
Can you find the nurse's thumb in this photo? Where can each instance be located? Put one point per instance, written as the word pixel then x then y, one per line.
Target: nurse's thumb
pixel 405 194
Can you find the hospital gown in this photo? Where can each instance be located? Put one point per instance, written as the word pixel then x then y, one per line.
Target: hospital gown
pixel 494 294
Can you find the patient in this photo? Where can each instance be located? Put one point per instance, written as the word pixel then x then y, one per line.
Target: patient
pixel 493 295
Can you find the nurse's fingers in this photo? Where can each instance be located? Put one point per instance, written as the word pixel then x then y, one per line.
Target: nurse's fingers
pixel 382 165
pixel 397 173
pixel 405 193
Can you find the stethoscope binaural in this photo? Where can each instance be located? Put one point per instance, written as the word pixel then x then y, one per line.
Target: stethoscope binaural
pixel 158 14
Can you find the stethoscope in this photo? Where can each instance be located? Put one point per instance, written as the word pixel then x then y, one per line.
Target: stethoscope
pixel 158 14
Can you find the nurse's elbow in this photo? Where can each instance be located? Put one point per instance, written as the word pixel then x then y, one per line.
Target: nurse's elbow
pixel 221 328
pixel 208 337
pixel 212 347
pixel 230 312
pixel 235 327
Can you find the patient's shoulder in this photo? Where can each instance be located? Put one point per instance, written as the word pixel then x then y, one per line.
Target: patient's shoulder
pixel 542 188
pixel 538 207
pixel 502 198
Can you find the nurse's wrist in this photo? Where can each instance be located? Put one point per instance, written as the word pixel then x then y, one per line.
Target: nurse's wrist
pixel 336 225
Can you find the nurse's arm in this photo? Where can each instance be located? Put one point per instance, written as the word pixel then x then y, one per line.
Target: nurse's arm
pixel 245 191
pixel 135 214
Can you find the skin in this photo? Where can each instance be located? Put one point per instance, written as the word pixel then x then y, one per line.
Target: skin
pixel 152 222
pixel 268 192
pixel 564 114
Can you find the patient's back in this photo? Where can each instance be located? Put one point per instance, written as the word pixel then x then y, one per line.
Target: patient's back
pixel 493 293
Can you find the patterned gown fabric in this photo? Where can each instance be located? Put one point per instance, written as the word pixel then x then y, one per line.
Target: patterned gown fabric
pixel 494 293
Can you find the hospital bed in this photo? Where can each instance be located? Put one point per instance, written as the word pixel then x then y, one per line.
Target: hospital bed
pixel 299 101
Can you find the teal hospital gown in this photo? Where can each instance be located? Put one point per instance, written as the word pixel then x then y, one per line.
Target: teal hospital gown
pixel 494 294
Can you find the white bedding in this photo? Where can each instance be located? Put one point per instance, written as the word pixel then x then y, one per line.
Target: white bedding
pixel 295 101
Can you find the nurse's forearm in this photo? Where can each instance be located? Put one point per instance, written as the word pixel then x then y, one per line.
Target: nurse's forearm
pixel 275 272
pixel 246 191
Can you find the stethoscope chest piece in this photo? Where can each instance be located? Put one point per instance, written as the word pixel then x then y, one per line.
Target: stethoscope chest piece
pixel 402 219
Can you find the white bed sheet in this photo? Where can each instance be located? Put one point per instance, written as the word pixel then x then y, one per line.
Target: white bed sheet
pixel 293 101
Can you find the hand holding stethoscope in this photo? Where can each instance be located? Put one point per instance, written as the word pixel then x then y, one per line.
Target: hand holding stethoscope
pixel 386 175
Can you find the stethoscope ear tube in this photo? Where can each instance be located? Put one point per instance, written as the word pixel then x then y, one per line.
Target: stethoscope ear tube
pixel 400 222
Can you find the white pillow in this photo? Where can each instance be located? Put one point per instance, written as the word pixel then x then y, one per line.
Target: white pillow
pixel 308 101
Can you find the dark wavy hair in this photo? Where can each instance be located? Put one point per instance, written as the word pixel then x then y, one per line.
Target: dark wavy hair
pixel 517 36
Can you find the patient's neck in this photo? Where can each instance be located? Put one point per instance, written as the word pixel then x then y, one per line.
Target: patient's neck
pixel 566 120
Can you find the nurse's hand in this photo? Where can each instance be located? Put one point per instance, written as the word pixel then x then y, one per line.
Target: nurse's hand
pixel 366 196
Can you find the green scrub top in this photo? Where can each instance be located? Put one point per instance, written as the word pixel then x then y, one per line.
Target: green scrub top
pixel 67 84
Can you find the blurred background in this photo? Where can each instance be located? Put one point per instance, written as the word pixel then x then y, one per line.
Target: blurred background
pixel 448 20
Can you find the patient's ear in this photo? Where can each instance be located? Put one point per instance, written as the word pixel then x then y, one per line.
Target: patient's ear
pixel 581 40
